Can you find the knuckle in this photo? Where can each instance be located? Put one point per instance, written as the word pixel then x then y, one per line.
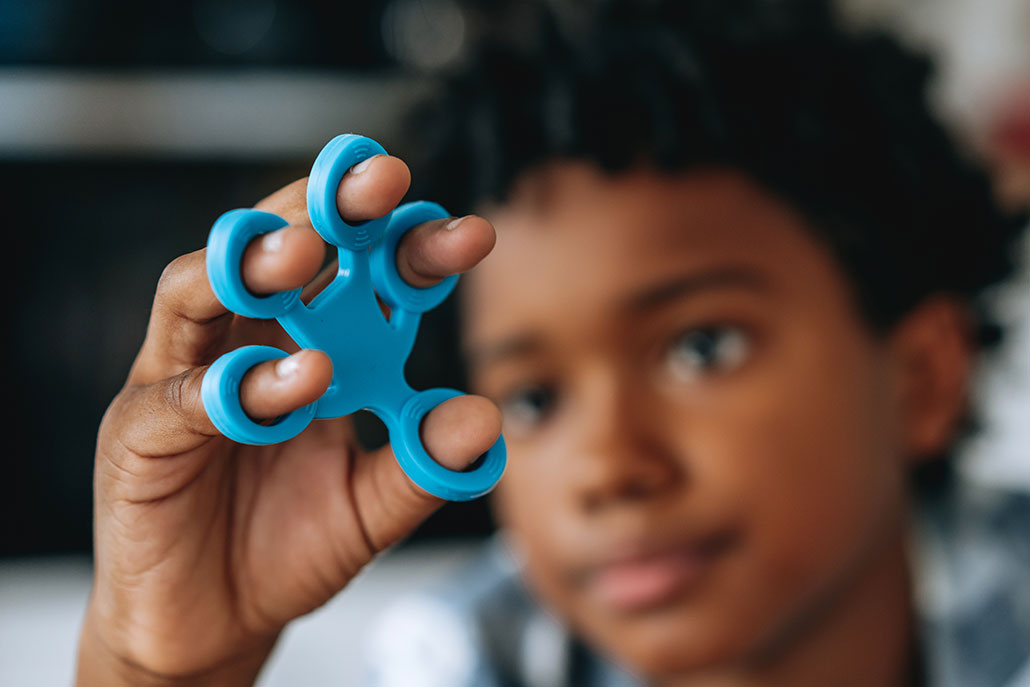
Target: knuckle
pixel 174 274
pixel 181 397
pixel 174 392
pixel 289 202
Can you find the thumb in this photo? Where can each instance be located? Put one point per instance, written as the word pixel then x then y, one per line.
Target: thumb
pixel 388 503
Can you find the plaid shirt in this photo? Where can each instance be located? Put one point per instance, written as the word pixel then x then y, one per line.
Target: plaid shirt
pixel 971 559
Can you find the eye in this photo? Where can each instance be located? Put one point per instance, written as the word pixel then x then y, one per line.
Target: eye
pixel 707 349
pixel 526 407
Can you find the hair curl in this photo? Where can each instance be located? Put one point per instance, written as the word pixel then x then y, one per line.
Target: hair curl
pixel 835 122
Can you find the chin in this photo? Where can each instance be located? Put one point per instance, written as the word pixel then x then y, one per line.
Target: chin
pixel 665 644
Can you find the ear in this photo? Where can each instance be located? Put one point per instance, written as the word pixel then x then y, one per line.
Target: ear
pixel 933 351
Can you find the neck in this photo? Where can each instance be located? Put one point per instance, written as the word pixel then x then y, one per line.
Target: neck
pixel 862 636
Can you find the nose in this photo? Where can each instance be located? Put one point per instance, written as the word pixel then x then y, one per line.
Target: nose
pixel 625 451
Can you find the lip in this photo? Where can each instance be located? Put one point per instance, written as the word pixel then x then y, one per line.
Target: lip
pixel 646 577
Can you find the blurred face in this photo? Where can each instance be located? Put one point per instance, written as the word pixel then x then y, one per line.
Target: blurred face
pixel 701 430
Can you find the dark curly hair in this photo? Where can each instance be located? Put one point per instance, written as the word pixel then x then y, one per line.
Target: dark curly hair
pixel 835 122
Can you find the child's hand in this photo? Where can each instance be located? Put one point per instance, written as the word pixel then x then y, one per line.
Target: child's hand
pixel 204 548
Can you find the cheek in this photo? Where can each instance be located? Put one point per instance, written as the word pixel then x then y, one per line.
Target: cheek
pixel 528 506
pixel 800 454
pixel 812 466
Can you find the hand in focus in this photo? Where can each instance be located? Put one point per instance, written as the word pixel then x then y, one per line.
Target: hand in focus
pixel 204 548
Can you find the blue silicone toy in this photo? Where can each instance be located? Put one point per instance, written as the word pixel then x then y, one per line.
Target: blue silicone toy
pixel 345 321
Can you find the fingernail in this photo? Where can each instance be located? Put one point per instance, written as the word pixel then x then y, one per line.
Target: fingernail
pixel 455 222
pixel 362 166
pixel 287 367
pixel 272 242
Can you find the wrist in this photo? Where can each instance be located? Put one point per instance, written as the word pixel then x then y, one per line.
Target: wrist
pixel 101 664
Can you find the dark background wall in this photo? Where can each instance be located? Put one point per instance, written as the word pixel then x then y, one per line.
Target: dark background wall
pixel 90 221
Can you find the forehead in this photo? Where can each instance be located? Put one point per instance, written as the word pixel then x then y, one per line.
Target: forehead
pixel 573 239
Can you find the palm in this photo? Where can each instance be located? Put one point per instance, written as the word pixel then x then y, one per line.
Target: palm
pixel 242 542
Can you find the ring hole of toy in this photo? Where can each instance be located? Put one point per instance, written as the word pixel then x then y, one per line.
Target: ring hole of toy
pixel 355 225
pixel 268 422
pixel 369 430
pixel 462 483
pixel 331 259
pixel 476 463
pixel 325 275
pixel 384 308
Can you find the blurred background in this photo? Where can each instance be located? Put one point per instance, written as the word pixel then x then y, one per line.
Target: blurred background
pixel 127 127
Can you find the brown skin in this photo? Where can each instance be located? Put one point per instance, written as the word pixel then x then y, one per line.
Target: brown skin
pixel 771 454
pixel 782 472
pixel 205 549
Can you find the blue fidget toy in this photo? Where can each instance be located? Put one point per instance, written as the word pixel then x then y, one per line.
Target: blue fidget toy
pixel 345 321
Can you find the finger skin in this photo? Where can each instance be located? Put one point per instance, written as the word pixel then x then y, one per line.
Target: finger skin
pixel 388 503
pixel 427 254
pixel 368 194
pixel 188 324
pixel 206 548
pixel 167 417
pixel 282 260
pixel 278 387
pixel 460 429
pixel 371 190
pixel 433 251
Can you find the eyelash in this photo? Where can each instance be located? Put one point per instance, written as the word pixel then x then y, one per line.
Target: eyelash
pixel 709 349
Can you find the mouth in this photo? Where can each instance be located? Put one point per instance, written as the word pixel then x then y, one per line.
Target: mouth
pixel 643 578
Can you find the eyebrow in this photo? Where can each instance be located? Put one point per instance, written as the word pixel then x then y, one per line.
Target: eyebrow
pixel 648 298
pixel 513 347
pixel 686 285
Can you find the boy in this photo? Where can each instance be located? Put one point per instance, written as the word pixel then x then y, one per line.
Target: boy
pixel 731 318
